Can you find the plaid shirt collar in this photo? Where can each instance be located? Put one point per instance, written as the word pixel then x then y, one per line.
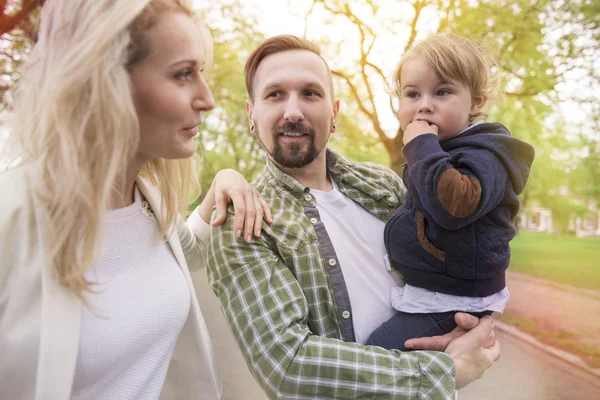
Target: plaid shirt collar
pixel 338 167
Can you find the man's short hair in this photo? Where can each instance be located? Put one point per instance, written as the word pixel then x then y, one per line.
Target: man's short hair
pixel 274 45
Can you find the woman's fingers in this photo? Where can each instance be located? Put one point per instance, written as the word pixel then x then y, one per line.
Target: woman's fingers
pixel 249 206
pixel 239 209
pixel 266 209
pixel 221 208
pixel 258 218
pixel 250 214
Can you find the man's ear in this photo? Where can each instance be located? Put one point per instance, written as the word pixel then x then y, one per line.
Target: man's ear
pixel 477 104
pixel 250 114
pixel 336 110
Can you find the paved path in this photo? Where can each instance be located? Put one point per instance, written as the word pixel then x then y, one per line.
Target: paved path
pixel 238 383
pixel 522 373
pixel 555 307
pixel 526 373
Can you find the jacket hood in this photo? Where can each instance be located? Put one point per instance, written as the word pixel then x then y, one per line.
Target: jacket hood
pixel 516 155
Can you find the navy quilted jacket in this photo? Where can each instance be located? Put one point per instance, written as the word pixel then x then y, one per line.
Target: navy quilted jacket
pixel 451 234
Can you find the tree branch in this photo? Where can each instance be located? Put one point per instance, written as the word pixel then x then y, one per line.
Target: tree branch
pixel 354 91
pixel 361 105
pixel 308 14
pixel 523 94
pixel 355 20
pixel 418 6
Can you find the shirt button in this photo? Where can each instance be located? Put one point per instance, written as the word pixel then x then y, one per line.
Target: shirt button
pixel 314 220
pixel 332 262
pixel 308 197
pixel 391 201
pixel 346 314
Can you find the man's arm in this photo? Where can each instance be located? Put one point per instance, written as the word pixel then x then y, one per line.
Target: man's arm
pixel 472 345
pixel 397 185
pixel 267 312
pixel 455 195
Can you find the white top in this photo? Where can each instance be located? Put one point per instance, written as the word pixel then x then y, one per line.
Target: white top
pixel 415 300
pixel 357 237
pixel 141 304
pixel 40 321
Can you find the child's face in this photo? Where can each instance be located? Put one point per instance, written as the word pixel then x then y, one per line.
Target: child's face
pixel 425 97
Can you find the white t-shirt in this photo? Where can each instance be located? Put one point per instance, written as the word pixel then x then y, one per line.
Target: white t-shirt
pixel 357 237
pixel 142 302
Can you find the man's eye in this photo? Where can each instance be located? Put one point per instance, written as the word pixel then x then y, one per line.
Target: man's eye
pixel 311 93
pixel 274 95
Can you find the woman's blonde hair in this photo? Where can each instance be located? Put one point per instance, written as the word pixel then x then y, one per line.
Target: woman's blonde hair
pixel 456 59
pixel 75 118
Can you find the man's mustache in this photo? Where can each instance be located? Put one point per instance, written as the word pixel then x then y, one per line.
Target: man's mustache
pixel 298 127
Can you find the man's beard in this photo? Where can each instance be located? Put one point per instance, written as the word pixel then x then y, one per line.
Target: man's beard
pixel 291 155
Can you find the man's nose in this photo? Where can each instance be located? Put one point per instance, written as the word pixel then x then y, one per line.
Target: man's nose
pixel 293 112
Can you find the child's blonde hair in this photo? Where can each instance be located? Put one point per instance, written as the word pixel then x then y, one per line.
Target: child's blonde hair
pixel 456 59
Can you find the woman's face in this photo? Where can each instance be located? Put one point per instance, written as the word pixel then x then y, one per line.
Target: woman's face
pixel 169 91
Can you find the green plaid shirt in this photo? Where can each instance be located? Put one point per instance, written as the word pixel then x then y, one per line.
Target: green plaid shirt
pixel 286 302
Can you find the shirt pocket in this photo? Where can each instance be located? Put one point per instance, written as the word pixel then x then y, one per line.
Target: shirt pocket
pixel 292 235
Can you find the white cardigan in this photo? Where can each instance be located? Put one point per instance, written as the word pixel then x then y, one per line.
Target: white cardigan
pixel 40 319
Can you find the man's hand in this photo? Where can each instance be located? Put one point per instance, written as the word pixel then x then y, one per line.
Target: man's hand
pixel 416 128
pixel 472 345
pixel 471 354
pixel 465 322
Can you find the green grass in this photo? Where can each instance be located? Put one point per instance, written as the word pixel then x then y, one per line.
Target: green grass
pixel 560 339
pixel 558 257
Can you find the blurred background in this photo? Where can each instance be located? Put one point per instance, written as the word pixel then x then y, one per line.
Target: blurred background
pixel 549 60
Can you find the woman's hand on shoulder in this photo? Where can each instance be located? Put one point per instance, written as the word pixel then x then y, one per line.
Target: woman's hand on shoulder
pixel 229 186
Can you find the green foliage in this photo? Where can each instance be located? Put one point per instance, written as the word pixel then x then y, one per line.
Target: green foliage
pixel 564 209
pixel 226 139
pixel 586 175
pixel 15 45
pixel 357 144
pixel 14 48
pixel 354 138
pixel 513 31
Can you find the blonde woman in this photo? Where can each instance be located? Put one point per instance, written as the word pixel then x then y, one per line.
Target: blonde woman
pixel 96 299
